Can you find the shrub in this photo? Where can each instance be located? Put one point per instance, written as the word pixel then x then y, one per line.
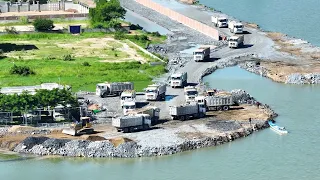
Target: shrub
pixel 67 57
pixel 85 63
pixel 24 20
pixel 115 54
pixel 43 24
pixel 21 70
pixel 119 35
pixel 143 38
pixel 11 30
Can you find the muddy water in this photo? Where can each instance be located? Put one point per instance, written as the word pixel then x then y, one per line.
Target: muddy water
pixel 263 155
pixel 298 18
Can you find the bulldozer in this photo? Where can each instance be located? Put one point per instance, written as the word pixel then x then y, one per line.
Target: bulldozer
pixel 79 128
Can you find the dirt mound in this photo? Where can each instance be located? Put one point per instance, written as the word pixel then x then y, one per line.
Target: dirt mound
pixel 18 128
pixel 119 140
pixel 95 138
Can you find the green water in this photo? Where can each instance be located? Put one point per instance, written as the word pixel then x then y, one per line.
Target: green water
pixel 263 155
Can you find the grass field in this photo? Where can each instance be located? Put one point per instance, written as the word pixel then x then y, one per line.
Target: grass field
pixel 109 59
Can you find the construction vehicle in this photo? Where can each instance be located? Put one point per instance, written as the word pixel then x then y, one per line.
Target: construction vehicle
pixel 128 106
pixel 79 128
pixel 235 27
pixel 201 54
pixel 32 89
pixel 236 41
pixel 105 89
pixel 156 92
pixel 220 101
pixel 132 123
pixel 153 111
pixel 186 111
pixel 190 92
pixel 179 80
pixel 127 95
pixel 219 21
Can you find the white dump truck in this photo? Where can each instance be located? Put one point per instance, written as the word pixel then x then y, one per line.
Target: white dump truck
pixel 219 21
pixel 127 95
pixel 156 92
pixel 236 41
pixel 153 111
pixel 186 111
pixel 128 106
pixel 190 92
pixel 115 88
pixel 132 122
pixel 179 80
pixel 201 54
pixel 235 27
pixel 216 103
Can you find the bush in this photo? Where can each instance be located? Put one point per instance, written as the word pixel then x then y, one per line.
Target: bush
pixel 11 30
pixel 143 38
pixel 24 20
pixel 67 57
pixel 21 70
pixel 119 35
pixel 85 63
pixel 43 24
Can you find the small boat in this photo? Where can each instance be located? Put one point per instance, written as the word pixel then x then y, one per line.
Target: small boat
pixel 278 129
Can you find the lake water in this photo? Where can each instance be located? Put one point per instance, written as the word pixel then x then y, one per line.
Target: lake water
pixel 263 155
pixel 298 18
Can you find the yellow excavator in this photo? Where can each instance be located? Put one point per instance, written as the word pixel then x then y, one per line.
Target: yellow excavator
pixel 79 128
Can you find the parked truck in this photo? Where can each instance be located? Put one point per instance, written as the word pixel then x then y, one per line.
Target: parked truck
pixel 187 111
pixel 156 92
pixel 153 111
pixel 128 106
pixel 116 88
pixel 219 21
pixel 127 95
pixel 201 54
pixel 190 92
pixel 132 123
pixel 179 80
pixel 216 103
pixel 235 27
pixel 236 41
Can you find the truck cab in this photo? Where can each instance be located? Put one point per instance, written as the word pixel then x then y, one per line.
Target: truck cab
pixel 152 92
pixel 201 54
pixel 236 27
pixel 178 80
pixel 128 106
pixel 235 41
pixel 101 88
pixel 220 21
pixel 190 93
pixel 127 96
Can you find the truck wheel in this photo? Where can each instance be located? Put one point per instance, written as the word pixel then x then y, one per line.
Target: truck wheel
pixel 219 108
pixel 104 95
pixel 225 108
pixel 146 127
pixel 187 117
pixel 125 130
pixel 182 118
pixel 131 129
pixel 196 116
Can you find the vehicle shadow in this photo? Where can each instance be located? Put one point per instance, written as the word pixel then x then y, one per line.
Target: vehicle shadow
pixel 141 104
pixel 235 108
pixel 246 32
pixel 8 47
pixel 246 46
pixel 192 84
pixel 210 60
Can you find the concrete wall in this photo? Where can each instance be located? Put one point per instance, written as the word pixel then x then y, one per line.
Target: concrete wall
pixel 205 29
pixel 79 7
pixel 47 16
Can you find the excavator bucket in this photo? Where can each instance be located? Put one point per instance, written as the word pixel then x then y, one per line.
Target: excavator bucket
pixel 69 131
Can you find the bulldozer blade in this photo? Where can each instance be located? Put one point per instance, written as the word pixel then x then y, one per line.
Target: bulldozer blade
pixel 69 131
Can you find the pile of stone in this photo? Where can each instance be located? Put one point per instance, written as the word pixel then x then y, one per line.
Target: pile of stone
pixel 297 78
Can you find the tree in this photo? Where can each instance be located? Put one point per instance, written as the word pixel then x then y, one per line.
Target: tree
pixel 43 24
pixel 106 14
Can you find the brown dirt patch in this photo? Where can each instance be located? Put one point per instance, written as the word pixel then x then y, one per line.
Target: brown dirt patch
pixel 119 140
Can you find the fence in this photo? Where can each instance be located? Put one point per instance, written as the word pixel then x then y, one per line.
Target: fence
pixel 205 29
pixel 47 16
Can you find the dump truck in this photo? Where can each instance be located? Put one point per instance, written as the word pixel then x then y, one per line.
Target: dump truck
pixel 179 80
pixel 153 111
pixel 219 21
pixel 132 122
pixel 235 41
pixel 127 95
pixel 187 111
pixel 128 106
pixel 79 128
pixel 201 54
pixel 190 92
pixel 156 92
pixel 217 102
pixel 116 88
pixel 235 27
